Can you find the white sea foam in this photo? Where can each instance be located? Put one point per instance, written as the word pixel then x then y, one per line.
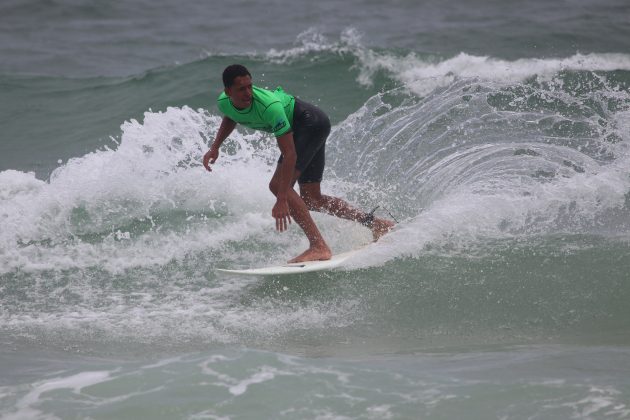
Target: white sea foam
pixel 265 374
pixel 27 405
pixel 485 177
pixel 599 401
pixel 155 170
pixel 139 208
pixel 423 73
pixel 579 203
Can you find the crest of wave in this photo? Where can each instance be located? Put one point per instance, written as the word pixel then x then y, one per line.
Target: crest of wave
pixel 425 72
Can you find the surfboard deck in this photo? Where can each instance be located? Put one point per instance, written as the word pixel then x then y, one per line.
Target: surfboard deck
pixel 295 268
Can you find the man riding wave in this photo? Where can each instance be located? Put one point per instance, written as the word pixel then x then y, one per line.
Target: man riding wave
pixel 301 130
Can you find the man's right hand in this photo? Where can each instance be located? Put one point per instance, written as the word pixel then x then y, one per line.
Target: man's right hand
pixel 281 213
pixel 211 156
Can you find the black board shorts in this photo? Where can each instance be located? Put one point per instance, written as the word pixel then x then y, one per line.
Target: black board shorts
pixel 311 128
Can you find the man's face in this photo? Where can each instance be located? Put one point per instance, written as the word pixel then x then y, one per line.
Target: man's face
pixel 240 92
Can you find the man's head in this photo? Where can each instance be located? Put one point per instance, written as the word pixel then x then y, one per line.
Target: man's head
pixel 238 85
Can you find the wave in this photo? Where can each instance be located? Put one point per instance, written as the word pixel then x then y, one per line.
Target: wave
pixel 477 159
pixel 498 156
pixel 489 171
pixel 425 72
pixel 423 76
pixel 420 71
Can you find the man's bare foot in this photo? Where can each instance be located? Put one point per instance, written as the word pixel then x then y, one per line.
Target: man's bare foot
pixel 380 227
pixel 313 254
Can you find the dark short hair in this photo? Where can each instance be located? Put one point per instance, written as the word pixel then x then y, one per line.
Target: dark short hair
pixel 232 72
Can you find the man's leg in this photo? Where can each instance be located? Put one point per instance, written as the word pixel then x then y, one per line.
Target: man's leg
pixel 315 200
pixel 318 249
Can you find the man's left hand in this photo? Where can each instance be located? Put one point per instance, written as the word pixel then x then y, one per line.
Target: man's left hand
pixel 211 156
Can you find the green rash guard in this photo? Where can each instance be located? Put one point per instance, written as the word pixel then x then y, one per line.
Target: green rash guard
pixel 271 112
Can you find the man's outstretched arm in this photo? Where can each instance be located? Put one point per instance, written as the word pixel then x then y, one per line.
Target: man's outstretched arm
pixel 226 128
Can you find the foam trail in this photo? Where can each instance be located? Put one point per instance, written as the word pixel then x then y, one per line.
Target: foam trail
pixel 75 382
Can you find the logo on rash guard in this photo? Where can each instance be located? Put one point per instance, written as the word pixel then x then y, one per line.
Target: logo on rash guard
pixel 279 125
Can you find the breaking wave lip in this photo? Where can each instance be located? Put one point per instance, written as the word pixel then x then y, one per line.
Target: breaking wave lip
pixel 517 180
pixel 423 74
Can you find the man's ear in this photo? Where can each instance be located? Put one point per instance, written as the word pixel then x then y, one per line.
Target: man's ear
pixel 227 91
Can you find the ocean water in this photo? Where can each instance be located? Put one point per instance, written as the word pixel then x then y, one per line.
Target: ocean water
pixel 496 133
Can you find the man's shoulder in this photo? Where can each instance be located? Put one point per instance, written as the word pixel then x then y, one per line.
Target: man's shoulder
pixel 265 97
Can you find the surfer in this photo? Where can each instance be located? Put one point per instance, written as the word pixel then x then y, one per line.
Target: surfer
pixel 301 130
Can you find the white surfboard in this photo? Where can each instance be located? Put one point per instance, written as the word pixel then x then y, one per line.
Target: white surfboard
pixel 295 268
